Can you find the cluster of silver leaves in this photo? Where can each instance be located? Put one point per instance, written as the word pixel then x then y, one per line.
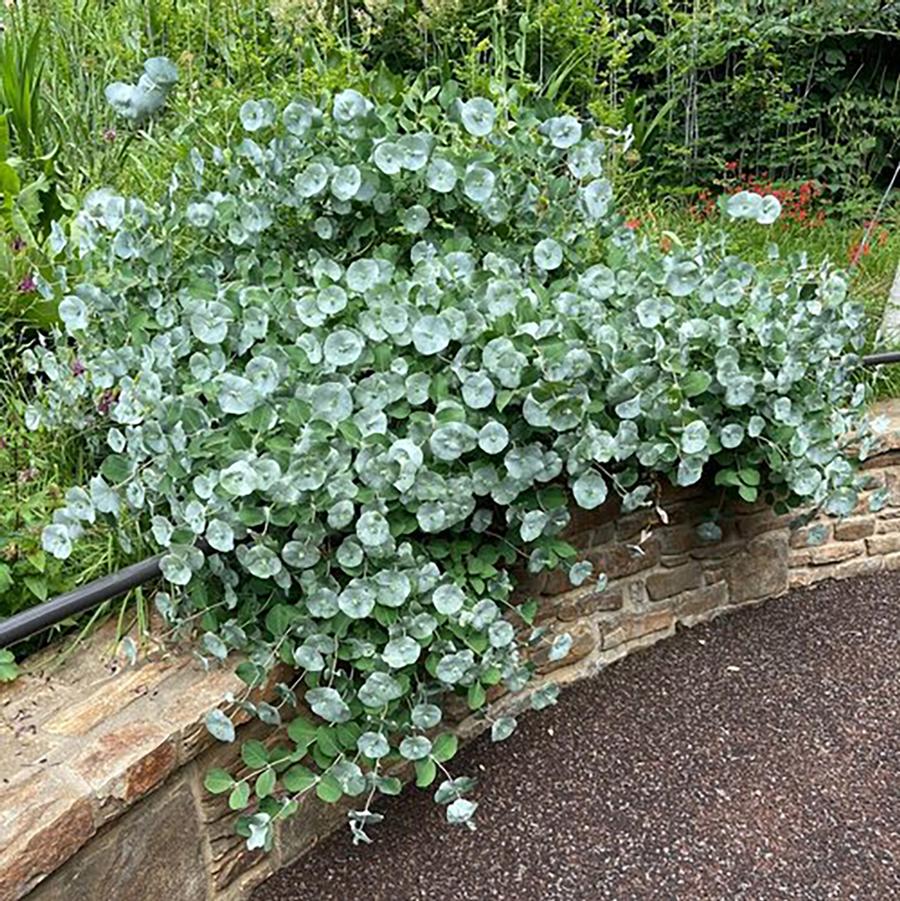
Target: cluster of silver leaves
pixel 369 354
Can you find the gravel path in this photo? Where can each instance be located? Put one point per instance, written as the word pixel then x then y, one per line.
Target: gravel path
pixel 752 759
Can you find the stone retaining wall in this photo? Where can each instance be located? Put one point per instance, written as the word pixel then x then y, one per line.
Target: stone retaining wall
pixel 101 765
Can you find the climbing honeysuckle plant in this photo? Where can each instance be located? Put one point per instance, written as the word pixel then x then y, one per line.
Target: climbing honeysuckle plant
pixel 355 368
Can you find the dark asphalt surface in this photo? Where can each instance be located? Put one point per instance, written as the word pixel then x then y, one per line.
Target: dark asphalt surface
pixel 752 759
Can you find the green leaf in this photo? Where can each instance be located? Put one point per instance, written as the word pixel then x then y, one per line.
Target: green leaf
pixel 326 741
pixel 426 772
pixel 265 783
pixel 218 781
pixel 298 779
pixel 528 610
pixel 9 670
pixel 37 585
pixel 389 785
pixel 476 696
pixel 328 789
pixel 255 755
pixel 695 383
pixel 116 468
pixel 240 796
pixel 444 747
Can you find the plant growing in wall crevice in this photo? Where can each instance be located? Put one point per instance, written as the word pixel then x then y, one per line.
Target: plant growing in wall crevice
pixel 371 353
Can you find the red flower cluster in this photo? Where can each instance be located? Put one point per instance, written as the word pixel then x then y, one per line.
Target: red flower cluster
pixel 799 203
pixel 705 205
pixel 877 236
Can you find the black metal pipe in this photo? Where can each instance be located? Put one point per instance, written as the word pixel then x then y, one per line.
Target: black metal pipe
pixel 892 356
pixel 36 619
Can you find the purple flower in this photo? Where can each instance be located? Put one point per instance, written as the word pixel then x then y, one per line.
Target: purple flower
pixel 17 244
pixel 77 367
pixel 28 285
pixel 109 135
pixel 105 402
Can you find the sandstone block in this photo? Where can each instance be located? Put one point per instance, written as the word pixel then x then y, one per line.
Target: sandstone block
pixel 108 697
pixel 862 566
pixel 637 625
pixel 802 577
pixel 584 640
pixel 765 521
pixel 667 583
pixel 762 570
pixel 126 763
pixel 152 852
pixel 584 602
pixel 887 521
pixel 854 529
pixel 677 539
pixel 630 526
pixel 45 818
pixel 883 544
pixel 670 561
pixel 619 560
pixel 694 606
pixel 828 554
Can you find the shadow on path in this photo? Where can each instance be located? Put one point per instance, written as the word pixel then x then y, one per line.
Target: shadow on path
pixel 757 758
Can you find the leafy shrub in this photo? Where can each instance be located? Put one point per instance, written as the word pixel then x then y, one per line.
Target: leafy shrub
pixel 370 354
pixel 137 102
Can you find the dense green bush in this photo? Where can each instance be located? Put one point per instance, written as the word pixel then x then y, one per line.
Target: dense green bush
pixel 798 88
pixel 370 353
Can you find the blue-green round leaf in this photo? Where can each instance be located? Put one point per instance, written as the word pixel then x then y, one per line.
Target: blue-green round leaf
pixel 478 116
pixel 415 747
pixel 401 652
pixel 478 183
pixel 441 176
pixel 426 716
pixel 431 335
pixel 373 745
pixel 328 704
pixel 372 529
pixel 55 541
pixel 448 599
pixel 589 490
pixel 695 437
pixel 415 219
pixel 343 347
pixel 256 115
pixel 357 600
pixel 563 131
pixel 346 182
pixel 548 254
